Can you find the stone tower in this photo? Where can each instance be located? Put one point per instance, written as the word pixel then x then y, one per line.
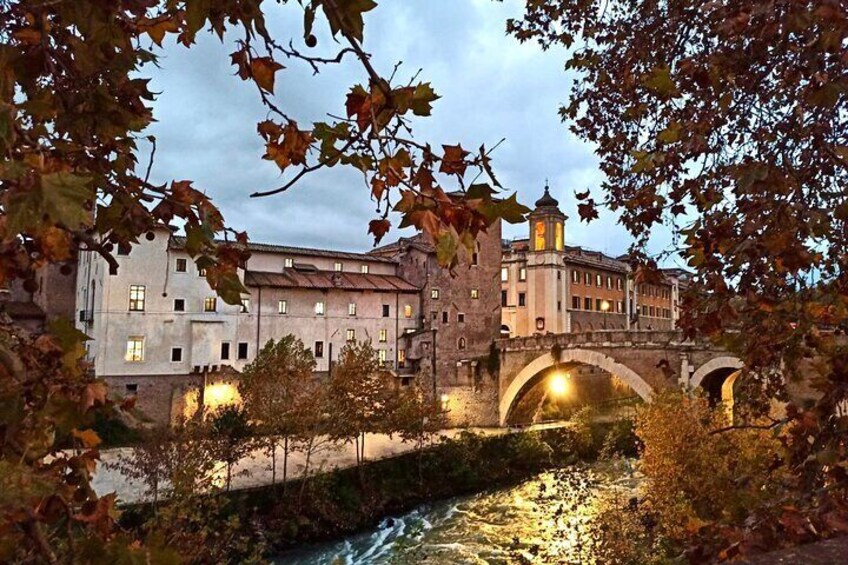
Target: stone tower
pixel 546 274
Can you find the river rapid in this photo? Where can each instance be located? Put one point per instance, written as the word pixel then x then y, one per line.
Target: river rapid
pixel 547 519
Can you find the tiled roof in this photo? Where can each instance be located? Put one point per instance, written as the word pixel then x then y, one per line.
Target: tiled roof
pixel 418 241
pixel 323 280
pixel 178 242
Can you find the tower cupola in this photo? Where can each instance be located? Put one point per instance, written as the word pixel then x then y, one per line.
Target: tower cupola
pixel 547 224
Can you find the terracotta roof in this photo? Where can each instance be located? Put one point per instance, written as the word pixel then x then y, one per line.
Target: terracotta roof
pixel 178 242
pixel 323 280
pixel 419 241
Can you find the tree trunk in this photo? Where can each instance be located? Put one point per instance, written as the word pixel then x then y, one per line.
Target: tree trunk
pixel 305 476
pixel 273 462
pixel 285 462
pixel 229 471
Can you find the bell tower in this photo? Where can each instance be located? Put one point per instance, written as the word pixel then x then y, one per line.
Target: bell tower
pixel 546 274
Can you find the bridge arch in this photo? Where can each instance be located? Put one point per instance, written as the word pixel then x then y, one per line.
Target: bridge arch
pixel 719 363
pixel 577 356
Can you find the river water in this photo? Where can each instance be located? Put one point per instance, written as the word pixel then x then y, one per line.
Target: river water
pixel 547 519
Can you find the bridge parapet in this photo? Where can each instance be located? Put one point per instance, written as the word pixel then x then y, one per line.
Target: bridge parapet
pixel 603 338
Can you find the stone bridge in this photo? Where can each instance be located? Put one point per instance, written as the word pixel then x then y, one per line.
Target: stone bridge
pixel 645 360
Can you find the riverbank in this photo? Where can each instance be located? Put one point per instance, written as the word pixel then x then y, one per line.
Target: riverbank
pixel 342 502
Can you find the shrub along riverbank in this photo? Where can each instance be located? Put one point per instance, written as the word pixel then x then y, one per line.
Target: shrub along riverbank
pixel 272 518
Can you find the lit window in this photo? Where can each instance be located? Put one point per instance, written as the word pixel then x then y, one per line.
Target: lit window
pixel 351 309
pixel 575 276
pixel 319 308
pixel 598 280
pixel 587 278
pixel 384 336
pixel 337 266
pixel 609 281
pixel 179 305
pixel 288 262
pixel 522 274
pixel 182 266
pixel 434 294
pixel 407 311
pixel 210 304
pixel 319 349
pixel 618 283
pixel 283 307
pixel 201 272
pixel 245 305
pixel 401 357
pixel 364 269
pixel 475 293
pixel 137 292
pixel 381 356
pixel 558 238
pixel 540 236
pixel 176 354
pixel 242 350
pixel 135 349
pixel 504 274
pixel 350 335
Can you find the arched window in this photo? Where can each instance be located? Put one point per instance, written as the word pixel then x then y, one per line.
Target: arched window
pixel 576 327
pixel 540 236
pixel 558 242
pixel 461 343
pixel 505 332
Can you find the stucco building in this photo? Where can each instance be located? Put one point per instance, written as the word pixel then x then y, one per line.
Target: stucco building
pixel 548 286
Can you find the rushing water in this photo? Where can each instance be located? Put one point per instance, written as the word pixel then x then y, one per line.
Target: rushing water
pixel 547 519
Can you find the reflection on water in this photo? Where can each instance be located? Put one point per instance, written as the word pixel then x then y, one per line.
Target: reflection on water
pixel 547 519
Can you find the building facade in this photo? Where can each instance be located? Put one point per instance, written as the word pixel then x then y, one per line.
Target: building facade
pixel 548 286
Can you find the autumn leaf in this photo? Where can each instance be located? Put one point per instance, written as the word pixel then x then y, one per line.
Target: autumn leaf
pixel 453 161
pixel 89 438
pixel 378 228
pixel 660 82
pixel 587 211
pixel 60 196
pixel 446 247
pixel 422 99
pixel 263 70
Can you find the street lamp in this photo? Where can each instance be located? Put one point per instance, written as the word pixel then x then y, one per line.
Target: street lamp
pixel 604 307
pixel 558 384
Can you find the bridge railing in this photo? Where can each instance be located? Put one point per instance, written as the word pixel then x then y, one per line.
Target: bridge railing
pixel 602 337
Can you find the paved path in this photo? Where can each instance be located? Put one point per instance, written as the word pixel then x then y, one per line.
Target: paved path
pixel 255 469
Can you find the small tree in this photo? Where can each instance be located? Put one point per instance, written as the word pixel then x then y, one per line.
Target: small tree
pixel 271 387
pixel 360 391
pixel 231 432
pixel 417 416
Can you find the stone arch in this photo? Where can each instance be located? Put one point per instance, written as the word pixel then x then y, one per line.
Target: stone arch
pixel 582 356
pixel 576 327
pixel 505 331
pixel 725 362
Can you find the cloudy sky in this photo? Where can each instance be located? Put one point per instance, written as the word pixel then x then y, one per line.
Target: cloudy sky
pixel 491 86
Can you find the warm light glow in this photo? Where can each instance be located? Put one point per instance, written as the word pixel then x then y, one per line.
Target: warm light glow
pixel 445 400
pixel 558 384
pixel 220 394
pixel 605 305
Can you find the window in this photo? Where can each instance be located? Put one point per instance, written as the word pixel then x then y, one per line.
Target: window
pixel 460 318
pixel 587 303
pixel 401 358
pixel 475 257
pixel 351 309
pixel 445 317
pixel 364 269
pixel 598 305
pixel 242 350
pixel 522 299
pixel 179 304
pixel 558 243
pixel 225 351
pixel 503 298
pixel 609 281
pixel 210 304
pixel 131 389
pixel 651 311
pixel 618 283
pixel 504 274
pixel 461 343
pixel 182 266
pixel 245 305
pixel 619 307
pixel 176 354
pixel 201 272
pixel 124 248
pixel 381 356
pixel 559 305
pixel 559 275
pixel 350 335
pixel 337 266
pixel 137 292
pixel 319 349
pixel 522 274
pixel 283 307
pixel 575 276
pixel 319 308
pixel 434 315
pixel 598 280
pixel 575 303
pixel 135 349
pixel 540 236
pixel 384 336
pixel 407 311
pixel 587 278
pixel 288 262
pixel 475 293
pixel 434 294
pixel 386 311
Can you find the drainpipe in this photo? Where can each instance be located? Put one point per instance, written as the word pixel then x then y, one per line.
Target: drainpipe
pixel 433 362
pixel 329 359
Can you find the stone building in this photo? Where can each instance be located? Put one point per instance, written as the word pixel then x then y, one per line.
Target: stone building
pixel 159 333
pixel 51 297
pixel 548 286
pixel 460 319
